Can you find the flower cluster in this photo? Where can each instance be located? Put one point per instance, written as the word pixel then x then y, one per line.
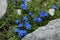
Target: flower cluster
pixel 42 14
pixel 37 19
pixel 26 23
pixel 20 33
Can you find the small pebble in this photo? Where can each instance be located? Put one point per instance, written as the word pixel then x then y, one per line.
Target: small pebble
pixel 18 11
pixel 52 12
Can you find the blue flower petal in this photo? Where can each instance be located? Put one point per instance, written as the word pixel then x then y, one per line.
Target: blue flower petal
pixel 30 13
pixel 17 21
pixel 23 6
pixel 46 14
pixel 53 6
pixel 41 14
pixel 26 23
pixel 22 33
pixel 28 27
pixel 25 18
pixel 35 19
pixel 20 25
pixel 16 30
pixel 39 20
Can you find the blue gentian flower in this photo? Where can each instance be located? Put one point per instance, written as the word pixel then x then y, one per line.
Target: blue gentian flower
pixel 25 18
pixel 53 6
pixel 17 21
pixel 30 13
pixel 35 19
pixel 23 6
pixel 20 25
pixel 24 1
pixel 39 19
pixel 16 30
pixel 22 33
pixel 28 27
pixel 26 23
pixel 46 14
pixel 41 14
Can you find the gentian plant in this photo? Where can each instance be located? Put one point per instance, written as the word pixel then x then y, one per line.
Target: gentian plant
pixel 26 22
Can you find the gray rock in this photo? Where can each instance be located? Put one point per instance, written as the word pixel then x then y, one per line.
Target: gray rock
pixel 3 7
pixel 49 32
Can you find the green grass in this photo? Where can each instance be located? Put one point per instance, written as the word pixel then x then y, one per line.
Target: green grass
pixel 7 23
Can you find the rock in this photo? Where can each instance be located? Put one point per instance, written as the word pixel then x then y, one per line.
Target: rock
pixel 49 32
pixel 3 7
